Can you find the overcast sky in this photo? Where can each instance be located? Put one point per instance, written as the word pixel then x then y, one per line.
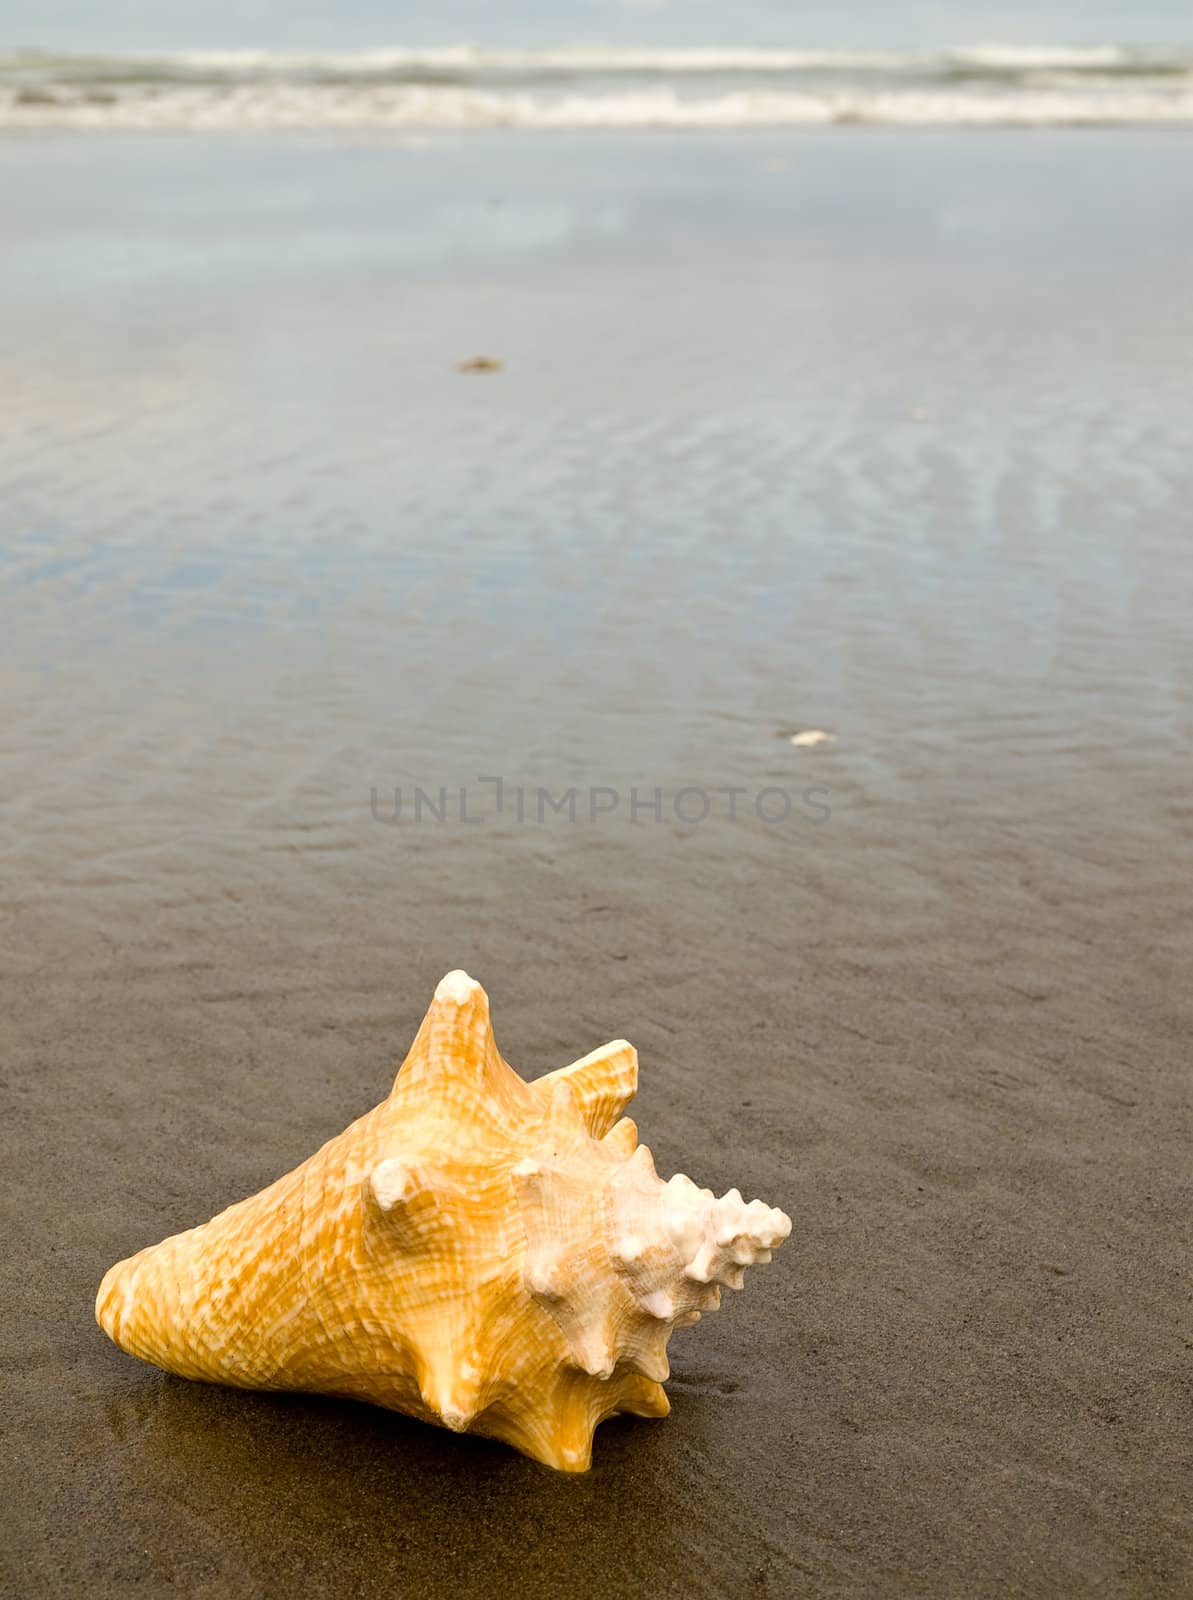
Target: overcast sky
pixel 348 24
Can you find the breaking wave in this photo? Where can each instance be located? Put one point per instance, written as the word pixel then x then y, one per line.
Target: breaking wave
pixel 594 87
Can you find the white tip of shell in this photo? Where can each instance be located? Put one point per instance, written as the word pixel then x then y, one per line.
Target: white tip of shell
pixel 456 989
pixel 392 1182
pixel 542 1279
pixel 628 1249
pixel 736 1236
pixel 676 1245
pixel 700 1268
pixel 659 1304
pixel 596 1356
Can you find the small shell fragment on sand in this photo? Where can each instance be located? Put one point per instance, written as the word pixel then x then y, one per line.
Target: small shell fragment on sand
pixel 808 738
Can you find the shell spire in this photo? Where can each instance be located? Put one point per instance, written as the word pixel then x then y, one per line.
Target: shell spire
pixel 454 1060
pixel 480 1252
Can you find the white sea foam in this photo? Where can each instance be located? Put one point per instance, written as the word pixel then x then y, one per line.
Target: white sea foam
pixel 590 88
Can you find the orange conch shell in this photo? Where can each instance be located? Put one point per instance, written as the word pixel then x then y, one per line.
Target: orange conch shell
pixel 483 1253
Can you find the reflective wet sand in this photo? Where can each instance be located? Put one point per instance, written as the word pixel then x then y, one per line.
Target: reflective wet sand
pixel 882 435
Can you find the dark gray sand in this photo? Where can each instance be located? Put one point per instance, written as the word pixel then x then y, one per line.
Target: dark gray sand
pixel 888 435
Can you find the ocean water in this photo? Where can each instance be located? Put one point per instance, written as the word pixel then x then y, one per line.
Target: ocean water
pixel 595 87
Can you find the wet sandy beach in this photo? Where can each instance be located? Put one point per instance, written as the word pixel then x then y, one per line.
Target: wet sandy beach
pixel 886 435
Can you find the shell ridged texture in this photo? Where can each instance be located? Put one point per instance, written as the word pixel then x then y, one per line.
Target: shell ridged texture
pixel 480 1252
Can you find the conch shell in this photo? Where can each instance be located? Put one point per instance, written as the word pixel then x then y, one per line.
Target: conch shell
pixel 490 1255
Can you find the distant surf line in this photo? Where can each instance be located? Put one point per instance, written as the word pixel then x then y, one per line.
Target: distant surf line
pixel 461 87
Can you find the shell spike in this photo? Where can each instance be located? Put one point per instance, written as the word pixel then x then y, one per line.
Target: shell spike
pixel 735 1236
pixel 456 1034
pixel 595 1354
pixel 642 1397
pixel 455 1055
pixel 563 1126
pixel 659 1304
pixel 572 1417
pixel 404 1197
pixel 649 1358
pixel 641 1163
pixel 622 1138
pixel 605 1082
pixel 450 1388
